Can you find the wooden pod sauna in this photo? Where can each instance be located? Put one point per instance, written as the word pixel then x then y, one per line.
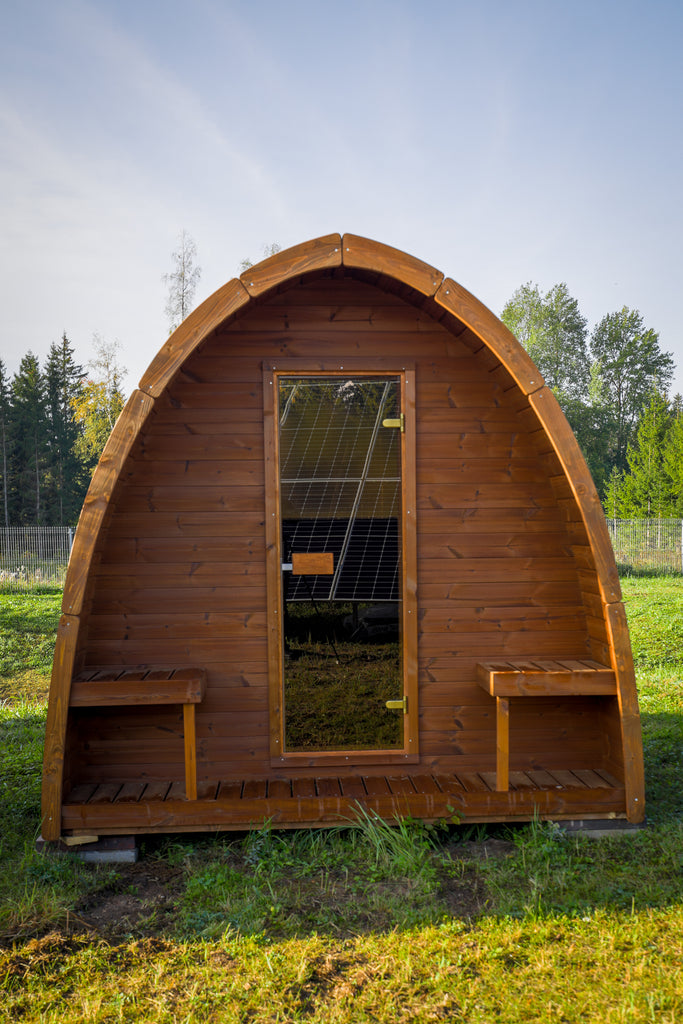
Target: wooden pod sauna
pixel 341 548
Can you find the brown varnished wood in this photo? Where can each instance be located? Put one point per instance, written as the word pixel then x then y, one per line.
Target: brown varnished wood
pixel 183 550
pixel 519 521
pixel 328 342
pixel 487 495
pixel 193 524
pixel 246 595
pixel 477 593
pixel 448 441
pixel 622 662
pixel 482 322
pixel 111 687
pixel 55 727
pixel 181 497
pixel 273 566
pixel 409 569
pixel 104 479
pixel 186 686
pixel 218 447
pixel 202 473
pixel 486 620
pixel 530 545
pixel 317 254
pixel 190 744
pixel 312 563
pixel 165 626
pixel 495 569
pixel 485 471
pixel 383 259
pixel 502 743
pixel 550 677
pixel 201 321
pixel 583 489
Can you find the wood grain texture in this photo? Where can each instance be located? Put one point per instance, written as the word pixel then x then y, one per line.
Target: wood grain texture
pixel 112 688
pixel 370 255
pixel 55 726
pixel 190 741
pixel 200 322
pixel 502 743
pixel 550 677
pixel 583 489
pixel 317 254
pixel 431 797
pixel 312 563
pixel 104 479
pixel 632 743
pixel 409 569
pixel 492 332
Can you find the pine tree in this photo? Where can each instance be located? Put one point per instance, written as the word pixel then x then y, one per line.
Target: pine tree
pixel 29 444
pixel 645 490
pixel 66 482
pixel 673 462
pixel 613 494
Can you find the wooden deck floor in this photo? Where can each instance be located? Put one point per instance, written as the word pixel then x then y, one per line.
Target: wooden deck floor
pixel 304 802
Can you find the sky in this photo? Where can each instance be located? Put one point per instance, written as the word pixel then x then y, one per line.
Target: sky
pixel 502 141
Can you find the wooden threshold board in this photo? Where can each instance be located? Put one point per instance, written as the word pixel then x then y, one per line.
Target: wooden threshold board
pixel 306 802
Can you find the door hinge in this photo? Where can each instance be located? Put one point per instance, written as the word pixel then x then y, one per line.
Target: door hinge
pixel 399 422
pixel 399 705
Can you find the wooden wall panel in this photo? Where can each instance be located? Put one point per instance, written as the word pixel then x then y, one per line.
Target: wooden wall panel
pixel 180 575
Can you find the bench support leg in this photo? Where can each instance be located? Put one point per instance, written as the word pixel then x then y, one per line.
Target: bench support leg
pixel 190 752
pixel 502 744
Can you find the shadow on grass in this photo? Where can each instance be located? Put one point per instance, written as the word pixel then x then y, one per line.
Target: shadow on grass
pixel 272 886
pixel 339 882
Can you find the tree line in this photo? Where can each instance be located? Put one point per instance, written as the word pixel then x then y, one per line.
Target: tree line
pixel 54 423
pixel 612 384
pixel 55 419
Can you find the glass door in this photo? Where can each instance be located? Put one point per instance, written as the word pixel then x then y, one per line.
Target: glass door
pixel 340 496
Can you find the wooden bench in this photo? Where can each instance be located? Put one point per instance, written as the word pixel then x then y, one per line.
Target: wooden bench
pixel 128 687
pixel 537 678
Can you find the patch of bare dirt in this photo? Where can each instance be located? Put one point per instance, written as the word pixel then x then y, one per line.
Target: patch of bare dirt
pixel 489 849
pixel 464 896
pixel 463 890
pixel 139 902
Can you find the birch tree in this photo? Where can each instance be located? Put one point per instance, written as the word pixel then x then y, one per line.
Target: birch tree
pixel 182 281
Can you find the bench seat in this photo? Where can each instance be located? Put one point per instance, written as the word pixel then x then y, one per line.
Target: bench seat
pixel 126 687
pixel 567 677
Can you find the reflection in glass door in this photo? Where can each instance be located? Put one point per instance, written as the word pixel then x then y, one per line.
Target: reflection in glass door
pixel 340 520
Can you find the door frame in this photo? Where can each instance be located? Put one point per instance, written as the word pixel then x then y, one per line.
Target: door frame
pixel 356 367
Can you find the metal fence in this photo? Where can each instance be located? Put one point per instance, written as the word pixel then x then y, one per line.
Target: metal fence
pixel 31 556
pixel 647 544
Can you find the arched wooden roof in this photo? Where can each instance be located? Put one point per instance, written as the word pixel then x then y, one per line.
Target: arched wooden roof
pixel 320 254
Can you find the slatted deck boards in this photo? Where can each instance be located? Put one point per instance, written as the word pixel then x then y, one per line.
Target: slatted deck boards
pixel 301 802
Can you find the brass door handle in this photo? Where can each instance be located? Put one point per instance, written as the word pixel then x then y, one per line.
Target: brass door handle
pixel 398 705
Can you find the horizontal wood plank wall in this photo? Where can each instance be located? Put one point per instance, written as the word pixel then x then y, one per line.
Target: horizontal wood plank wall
pixel 609 716
pixel 180 578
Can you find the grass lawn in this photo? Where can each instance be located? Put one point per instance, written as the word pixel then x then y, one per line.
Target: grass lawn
pixel 367 924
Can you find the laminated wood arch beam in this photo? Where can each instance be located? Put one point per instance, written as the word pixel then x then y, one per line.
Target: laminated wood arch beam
pixel 234 298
